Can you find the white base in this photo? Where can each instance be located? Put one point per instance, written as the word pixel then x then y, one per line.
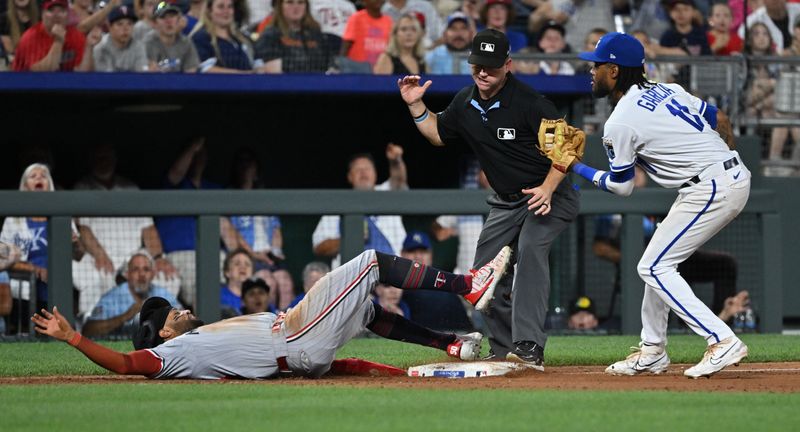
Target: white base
pixel 478 369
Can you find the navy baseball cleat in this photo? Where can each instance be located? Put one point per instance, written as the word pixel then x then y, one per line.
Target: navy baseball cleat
pixel 528 352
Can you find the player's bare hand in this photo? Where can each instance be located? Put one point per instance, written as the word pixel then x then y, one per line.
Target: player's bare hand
pixel 540 201
pixel 53 324
pixel 410 89
pixel 393 152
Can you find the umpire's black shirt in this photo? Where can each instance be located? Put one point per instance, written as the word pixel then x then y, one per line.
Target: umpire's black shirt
pixel 502 132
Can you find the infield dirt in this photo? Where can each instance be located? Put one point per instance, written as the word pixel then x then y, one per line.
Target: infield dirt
pixel 749 377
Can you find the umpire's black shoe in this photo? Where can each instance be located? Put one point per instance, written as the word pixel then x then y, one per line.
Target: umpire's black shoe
pixel 529 353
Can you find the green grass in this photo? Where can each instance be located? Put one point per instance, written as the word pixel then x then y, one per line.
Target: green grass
pixel 270 405
pixel 267 406
pixel 53 358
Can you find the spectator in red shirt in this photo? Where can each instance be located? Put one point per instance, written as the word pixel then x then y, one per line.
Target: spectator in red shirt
pixel 52 45
pixel 722 40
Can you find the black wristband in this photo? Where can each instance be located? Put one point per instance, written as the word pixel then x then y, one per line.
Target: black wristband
pixel 421 117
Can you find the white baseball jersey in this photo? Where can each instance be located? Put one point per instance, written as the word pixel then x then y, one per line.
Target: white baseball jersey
pixel 668 133
pixel 332 15
pixel 662 129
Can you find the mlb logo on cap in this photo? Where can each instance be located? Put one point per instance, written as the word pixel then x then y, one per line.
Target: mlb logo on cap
pixel 489 48
pixel 617 48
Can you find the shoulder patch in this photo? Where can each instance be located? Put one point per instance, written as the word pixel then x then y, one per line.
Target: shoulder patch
pixel 609 148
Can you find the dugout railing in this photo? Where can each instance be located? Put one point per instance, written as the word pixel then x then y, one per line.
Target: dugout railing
pixel 208 206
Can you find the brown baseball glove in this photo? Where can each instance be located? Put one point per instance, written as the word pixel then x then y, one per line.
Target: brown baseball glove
pixel 561 143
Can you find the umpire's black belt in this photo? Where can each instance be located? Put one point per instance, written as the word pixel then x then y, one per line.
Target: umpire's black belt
pixel 512 197
pixel 728 164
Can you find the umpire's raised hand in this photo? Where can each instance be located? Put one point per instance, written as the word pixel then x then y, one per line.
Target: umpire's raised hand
pixel 410 89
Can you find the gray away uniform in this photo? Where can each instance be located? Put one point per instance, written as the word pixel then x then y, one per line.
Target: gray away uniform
pixel 334 311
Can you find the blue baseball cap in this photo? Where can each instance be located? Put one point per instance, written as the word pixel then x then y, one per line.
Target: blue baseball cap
pixel 416 240
pixel 618 48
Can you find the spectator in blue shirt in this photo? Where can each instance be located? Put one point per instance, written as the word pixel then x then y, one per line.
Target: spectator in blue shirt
pixel 457 38
pixel 238 267
pixel 178 232
pixel 117 311
pixel 499 15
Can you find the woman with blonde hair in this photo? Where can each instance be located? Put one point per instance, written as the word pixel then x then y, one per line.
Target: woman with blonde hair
pixel 405 52
pixel 293 41
pixel 220 45
pixel 20 15
pixel 29 234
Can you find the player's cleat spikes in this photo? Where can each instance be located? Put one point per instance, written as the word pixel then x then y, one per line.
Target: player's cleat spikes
pixel 644 358
pixel 718 356
pixel 485 279
pixel 466 347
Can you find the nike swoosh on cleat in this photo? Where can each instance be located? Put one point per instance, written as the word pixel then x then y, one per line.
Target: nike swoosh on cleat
pixel 639 365
pixel 718 360
pixel 736 176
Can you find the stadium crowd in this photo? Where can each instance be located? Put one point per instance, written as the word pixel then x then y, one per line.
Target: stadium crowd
pixel 414 37
pixel 119 262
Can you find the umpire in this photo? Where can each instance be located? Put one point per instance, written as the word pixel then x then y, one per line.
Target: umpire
pixel 499 119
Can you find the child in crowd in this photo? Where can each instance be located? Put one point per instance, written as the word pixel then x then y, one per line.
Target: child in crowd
pixel 721 38
pixel 367 33
pixel 686 36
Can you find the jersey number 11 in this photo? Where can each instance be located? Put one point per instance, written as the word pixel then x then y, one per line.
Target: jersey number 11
pixel 678 110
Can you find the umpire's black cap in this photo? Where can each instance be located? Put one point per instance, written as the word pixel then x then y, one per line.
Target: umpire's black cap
pixel 151 319
pixel 490 48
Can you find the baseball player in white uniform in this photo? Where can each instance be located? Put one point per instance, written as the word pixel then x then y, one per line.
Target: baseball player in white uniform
pixel 174 344
pixel 682 143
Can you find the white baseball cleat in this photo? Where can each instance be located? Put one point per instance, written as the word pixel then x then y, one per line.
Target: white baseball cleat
pixel 644 358
pixel 485 279
pixel 466 347
pixel 718 356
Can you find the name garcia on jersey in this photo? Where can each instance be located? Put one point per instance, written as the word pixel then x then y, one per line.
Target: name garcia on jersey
pixel 651 98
